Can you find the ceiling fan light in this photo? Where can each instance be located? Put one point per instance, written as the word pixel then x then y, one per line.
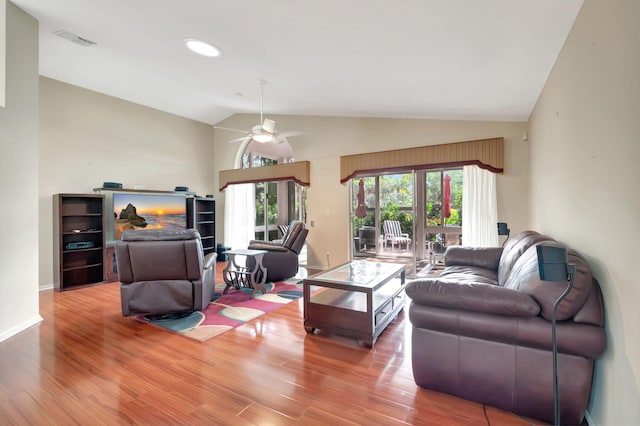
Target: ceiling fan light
pixel 202 48
pixel 263 137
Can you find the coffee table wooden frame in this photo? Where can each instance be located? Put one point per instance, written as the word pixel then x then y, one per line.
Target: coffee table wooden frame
pixel 358 299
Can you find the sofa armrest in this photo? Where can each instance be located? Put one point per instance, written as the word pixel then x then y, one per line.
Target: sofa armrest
pixel 210 260
pixel 472 297
pixel 266 245
pixel 483 257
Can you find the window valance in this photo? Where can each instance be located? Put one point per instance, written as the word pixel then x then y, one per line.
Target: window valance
pixel 485 153
pixel 297 171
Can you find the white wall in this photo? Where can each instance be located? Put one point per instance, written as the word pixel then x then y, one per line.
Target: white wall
pixel 87 138
pixel 3 50
pixel 328 138
pixel 19 177
pixel 584 182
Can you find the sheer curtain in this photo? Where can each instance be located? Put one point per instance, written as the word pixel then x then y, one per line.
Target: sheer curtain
pixel 239 215
pixel 480 208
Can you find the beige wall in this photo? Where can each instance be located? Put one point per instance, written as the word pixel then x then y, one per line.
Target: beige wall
pixel 19 177
pixel 585 176
pixel 328 138
pixel 3 49
pixel 87 138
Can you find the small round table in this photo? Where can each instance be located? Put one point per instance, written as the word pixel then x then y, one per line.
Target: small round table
pixel 247 275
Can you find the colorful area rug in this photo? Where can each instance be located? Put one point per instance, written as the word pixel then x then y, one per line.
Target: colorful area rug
pixel 228 311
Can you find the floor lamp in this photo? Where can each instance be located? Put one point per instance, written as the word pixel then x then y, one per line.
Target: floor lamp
pixel 553 266
pixel 503 229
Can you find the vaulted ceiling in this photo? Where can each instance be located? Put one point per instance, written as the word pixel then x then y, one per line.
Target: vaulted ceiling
pixel 453 59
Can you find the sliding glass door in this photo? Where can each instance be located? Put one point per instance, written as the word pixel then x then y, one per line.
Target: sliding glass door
pixel 442 214
pixel 379 199
pixel 365 216
pixel 422 211
pixel 396 215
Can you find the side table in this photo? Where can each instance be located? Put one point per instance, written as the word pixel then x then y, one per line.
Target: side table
pixel 247 275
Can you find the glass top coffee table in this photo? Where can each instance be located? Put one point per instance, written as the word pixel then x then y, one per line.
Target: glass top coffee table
pixel 358 299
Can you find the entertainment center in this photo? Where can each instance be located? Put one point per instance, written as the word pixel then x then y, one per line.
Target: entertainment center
pixel 87 227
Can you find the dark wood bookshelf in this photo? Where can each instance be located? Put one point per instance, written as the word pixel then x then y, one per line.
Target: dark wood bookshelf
pixel 79 240
pixel 201 216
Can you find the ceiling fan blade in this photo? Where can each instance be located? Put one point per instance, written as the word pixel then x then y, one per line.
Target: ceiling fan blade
pixel 289 133
pixel 230 129
pixel 242 139
pixel 280 139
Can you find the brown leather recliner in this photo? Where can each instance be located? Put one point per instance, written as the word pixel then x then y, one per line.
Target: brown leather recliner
pixel 482 330
pixel 163 272
pixel 281 261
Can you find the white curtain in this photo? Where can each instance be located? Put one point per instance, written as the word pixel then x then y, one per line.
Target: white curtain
pixel 479 208
pixel 239 215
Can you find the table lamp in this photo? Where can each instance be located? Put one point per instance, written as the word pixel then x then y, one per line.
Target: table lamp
pixel 553 266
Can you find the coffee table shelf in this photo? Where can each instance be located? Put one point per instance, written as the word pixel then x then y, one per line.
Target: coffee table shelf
pixel 358 299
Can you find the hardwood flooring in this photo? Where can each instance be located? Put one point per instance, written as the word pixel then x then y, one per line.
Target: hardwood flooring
pixel 86 364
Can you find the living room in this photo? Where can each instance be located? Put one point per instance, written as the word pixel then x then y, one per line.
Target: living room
pixel 573 173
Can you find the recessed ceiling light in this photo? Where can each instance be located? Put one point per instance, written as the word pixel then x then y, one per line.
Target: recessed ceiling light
pixel 201 47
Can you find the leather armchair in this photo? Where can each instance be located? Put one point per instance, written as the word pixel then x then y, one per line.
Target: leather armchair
pixel 164 272
pixel 281 260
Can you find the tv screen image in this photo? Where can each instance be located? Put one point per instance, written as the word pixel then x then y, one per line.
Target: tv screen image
pixel 148 211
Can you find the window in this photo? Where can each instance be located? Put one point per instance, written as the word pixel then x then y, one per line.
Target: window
pixel 276 202
pixel 436 212
pixel 443 208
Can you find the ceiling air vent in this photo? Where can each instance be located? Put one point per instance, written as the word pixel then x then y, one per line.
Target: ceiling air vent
pixel 74 38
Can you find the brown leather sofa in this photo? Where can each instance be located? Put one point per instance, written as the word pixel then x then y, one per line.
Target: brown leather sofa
pixel 281 261
pixel 482 330
pixel 164 272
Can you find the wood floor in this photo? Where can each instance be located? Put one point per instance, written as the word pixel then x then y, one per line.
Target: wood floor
pixel 86 364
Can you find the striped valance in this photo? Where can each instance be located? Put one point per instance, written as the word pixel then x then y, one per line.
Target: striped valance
pixel 297 172
pixel 485 153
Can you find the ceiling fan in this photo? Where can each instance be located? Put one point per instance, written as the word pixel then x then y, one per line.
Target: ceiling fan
pixel 264 132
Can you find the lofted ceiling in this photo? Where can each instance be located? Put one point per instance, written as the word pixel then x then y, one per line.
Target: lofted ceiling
pixel 443 59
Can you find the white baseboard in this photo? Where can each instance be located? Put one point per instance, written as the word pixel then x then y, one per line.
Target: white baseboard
pixel 20 327
pixel 45 287
pixel 587 415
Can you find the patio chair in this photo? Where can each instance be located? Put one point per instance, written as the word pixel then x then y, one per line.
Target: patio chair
pixel 283 231
pixel 437 248
pixel 393 234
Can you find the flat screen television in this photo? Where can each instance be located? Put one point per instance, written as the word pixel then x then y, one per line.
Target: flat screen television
pixel 147 211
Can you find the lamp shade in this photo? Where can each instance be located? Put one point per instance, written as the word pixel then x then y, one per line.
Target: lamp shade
pixel 552 262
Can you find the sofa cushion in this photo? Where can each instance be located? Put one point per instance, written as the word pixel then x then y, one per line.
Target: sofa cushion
pixel 484 257
pixel 525 277
pixel 472 297
pixel 513 250
pixel 469 274
pixel 592 312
